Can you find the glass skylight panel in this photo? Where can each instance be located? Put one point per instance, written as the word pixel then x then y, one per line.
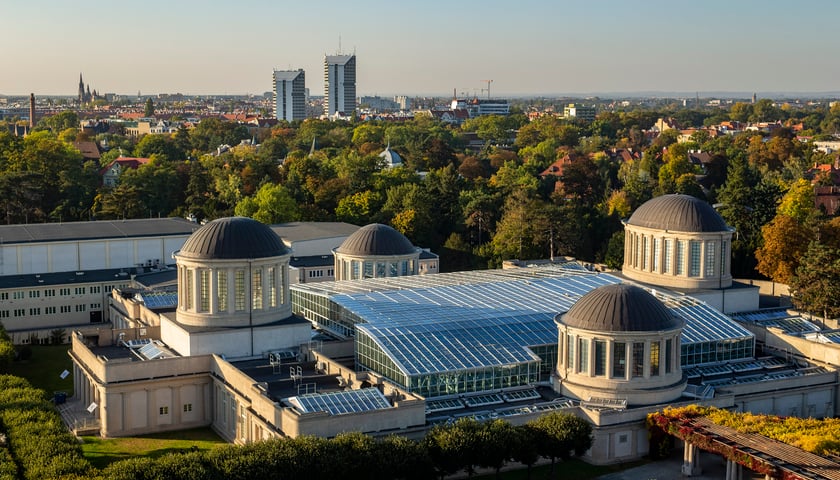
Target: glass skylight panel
pixel 340 403
pixel 151 351
pixel 159 299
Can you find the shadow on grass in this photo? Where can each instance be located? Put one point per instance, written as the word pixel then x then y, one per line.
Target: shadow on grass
pixel 101 452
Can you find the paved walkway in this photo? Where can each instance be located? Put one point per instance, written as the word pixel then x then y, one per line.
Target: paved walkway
pixel 714 468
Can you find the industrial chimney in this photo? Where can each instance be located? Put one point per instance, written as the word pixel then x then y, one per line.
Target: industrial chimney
pixel 31 111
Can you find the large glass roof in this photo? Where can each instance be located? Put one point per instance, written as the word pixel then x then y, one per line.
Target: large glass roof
pixel 158 299
pixel 480 319
pixel 339 403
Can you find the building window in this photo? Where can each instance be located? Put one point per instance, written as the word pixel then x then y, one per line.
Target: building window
pixel 80 290
pixel 239 290
pixel 81 308
pixel 644 253
pixel 355 267
pixel 164 410
pixel 5 313
pixel 96 289
pixel 189 287
pixel 256 289
pixel 94 306
pixel 694 268
pixel 222 288
pixel 49 292
pixel 330 272
pixel 20 312
pixel 680 257
pixel 368 273
pixel 657 253
pixel 583 355
pixel 188 407
pixel 404 268
pixel 723 257
pixel 668 354
pixel 654 359
pixel 4 296
pixel 34 311
pixel 65 309
pixel 204 290
pixel 64 292
pixel 710 259
pixel 34 294
pixel 669 255
pixel 272 287
pixel 392 269
pixel 17 295
pixel 48 310
pixel 570 351
pixel 638 359
pixel 619 360
pixel 600 358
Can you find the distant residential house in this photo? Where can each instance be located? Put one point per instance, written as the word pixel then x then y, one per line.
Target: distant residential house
pixel 827 199
pixel 111 173
pixel 151 126
pixel 665 124
pixel 89 149
pixel 556 170
pixel 687 135
pixel 623 155
pixel 729 127
pixel 765 127
pixel 456 116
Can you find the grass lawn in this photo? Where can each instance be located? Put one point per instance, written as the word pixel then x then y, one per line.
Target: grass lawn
pixel 44 368
pixel 101 452
pixel 571 469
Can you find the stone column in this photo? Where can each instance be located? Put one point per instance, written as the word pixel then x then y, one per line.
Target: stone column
pixel 691 461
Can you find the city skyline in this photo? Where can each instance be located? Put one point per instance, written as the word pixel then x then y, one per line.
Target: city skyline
pixel 202 48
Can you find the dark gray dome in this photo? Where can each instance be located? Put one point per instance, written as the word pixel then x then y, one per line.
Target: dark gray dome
pixel 376 239
pixel 620 308
pixel 233 237
pixel 680 213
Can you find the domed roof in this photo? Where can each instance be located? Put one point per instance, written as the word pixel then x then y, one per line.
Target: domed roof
pixel 681 213
pixel 376 239
pixel 391 157
pixel 620 308
pixel 233 237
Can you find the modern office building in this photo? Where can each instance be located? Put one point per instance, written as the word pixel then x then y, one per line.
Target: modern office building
pixel 339 85
pixel 289 95
pixel 579 112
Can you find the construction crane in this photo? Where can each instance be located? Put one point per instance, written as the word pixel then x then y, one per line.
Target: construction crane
pixel 488 88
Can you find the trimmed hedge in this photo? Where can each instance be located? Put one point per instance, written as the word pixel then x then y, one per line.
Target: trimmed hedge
pixel 38 441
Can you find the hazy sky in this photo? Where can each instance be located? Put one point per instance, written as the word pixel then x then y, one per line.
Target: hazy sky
pixel 422 47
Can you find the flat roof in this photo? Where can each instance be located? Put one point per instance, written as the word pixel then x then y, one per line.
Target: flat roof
pixel 31 280
pixel 95 230
pixel 312 261
pixel 302 231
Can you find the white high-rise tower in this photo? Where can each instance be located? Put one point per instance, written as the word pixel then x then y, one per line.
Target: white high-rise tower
pixel 289 95
pixel 339 85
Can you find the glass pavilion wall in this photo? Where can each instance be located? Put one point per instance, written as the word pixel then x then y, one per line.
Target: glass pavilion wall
pixel 441 383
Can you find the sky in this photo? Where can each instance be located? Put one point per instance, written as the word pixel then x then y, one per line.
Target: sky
pixel 428 47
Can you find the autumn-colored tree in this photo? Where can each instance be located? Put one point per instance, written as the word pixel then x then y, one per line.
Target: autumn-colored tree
pixel 816 285
pixel 785 241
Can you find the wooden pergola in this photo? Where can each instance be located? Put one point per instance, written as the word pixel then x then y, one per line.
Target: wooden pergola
pixel 776 460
